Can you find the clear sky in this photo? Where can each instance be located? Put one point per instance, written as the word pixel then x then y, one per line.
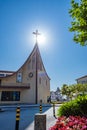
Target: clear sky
pixel 63 59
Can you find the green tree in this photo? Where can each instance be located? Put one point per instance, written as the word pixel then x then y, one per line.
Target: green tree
pixel 78 12
pixel 74 90
pixel 66 90
pixel 82 88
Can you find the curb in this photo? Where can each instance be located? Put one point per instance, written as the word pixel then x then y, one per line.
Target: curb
pixel 2 110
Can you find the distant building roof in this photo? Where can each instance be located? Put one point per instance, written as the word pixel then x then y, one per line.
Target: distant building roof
pixel 82 77
pixel 4 73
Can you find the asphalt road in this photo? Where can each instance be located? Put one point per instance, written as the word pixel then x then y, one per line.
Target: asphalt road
pixel 27 114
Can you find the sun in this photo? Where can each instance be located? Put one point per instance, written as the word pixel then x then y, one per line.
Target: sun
pixel 41 39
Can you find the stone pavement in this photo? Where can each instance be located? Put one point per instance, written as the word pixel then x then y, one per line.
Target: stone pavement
pixel 49 122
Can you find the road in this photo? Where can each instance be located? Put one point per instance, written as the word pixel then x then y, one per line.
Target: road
pixel 27 114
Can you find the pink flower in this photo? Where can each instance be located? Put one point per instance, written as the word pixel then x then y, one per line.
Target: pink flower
pixel 70 123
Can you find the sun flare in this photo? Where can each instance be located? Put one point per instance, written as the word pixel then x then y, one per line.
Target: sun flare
pixel 41 39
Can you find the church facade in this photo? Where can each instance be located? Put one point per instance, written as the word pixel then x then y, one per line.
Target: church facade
pixel 29 84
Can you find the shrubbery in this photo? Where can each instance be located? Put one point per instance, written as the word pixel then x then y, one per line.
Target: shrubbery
pixel 77 107
pixel 73 115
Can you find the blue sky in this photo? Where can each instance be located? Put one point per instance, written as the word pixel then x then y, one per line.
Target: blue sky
pixel 63 59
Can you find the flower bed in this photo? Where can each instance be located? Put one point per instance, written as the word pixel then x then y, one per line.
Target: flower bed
pixel 70 123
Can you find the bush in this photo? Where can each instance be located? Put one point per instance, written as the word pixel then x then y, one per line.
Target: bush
pixel 77 107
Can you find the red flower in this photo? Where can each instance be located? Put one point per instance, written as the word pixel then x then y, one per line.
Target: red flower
pixel 70 123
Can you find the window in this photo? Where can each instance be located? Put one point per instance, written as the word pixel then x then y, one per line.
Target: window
pixel 19 77
pixel 0 81
pixel 2 75
pixel 29 65
pixel 40 66
pixel 33 61
pixel 10 96
pixel 83 82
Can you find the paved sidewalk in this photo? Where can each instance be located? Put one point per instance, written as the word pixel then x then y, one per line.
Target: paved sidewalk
pixel 50 120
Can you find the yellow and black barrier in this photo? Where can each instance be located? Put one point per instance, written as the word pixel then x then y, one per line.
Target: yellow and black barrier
pixel 17 118
pixel 40 108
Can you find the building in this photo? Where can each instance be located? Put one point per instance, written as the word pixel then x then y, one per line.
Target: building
pixel 53 96
pixel 56 95
pixel 29 84
pixel 82 80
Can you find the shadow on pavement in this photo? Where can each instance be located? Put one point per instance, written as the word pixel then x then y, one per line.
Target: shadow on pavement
pixel 27 114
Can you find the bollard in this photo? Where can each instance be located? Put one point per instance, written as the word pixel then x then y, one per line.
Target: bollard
pixel 40 122
pixel 54 109
pixel 17 118
pixel 40 108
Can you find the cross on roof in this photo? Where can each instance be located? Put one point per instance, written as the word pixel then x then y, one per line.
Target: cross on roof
pixel 36 33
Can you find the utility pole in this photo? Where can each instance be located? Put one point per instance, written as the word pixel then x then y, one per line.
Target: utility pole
pixel 36 34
